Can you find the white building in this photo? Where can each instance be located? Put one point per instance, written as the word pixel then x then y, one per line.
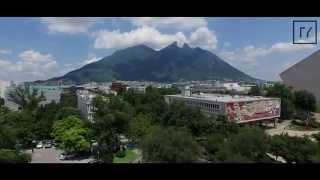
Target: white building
pixel 84 99
pixel 51 93
pixel 239 109
pixel 3 87
pixel 141 89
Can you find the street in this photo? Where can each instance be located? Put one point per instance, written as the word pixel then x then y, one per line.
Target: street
pixel 51 155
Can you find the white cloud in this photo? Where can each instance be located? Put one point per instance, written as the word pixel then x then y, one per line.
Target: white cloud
pixel 251 53
pixel 204 38
pixel 91 60
pixel 71 25
pixel 32 65
pixel 169 22
pixel 289 47
pixel 5 51
pixel 267 62
pixel 144 35
pixel 153 38
pixel 35 57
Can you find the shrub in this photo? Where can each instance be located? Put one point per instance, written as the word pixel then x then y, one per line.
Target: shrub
pixel 121 154
pixel 12 156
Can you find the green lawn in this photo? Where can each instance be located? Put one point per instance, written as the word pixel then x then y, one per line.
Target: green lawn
pixel 318 108
pixel 130 156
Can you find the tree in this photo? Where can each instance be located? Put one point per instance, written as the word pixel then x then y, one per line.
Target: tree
pixel 306 102
pixel 106 129
pixel 287 99
pixel 170 145
pixel 66 111
pixel 71 135
pixel 1 102
pixel 23 124
pixel 278 146
pixel 12 156
pixel 26 98
pixel 249 144
pixel 213 145
pixel 287 108
pixel 295 149
pixel 8 137
pixel 180 115
pixel 45 116
pixel 255 91
pixel 140 126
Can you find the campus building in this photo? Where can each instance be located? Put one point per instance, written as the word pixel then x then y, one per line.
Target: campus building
pixel 51 94
pixel 239 109
pixel 84 102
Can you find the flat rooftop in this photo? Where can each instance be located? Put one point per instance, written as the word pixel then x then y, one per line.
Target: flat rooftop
pixel 223 97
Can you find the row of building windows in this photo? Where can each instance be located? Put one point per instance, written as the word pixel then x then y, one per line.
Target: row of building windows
pixel 202 104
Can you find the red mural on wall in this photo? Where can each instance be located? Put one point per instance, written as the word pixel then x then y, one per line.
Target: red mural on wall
pixel 244 111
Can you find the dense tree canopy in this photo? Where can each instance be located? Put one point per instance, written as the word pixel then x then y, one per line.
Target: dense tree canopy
pixel 12 156
pixel 249 144
pixel 1 102
pixel 255 91
pixel 287 99
pixel 170 145
pixel 140 126
pixel 293 149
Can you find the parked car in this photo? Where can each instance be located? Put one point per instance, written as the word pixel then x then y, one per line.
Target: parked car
pixel 65 156
pixel 48 145
pixel 95 161
pixel 39 145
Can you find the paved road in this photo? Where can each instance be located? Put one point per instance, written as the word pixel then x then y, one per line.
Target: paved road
pixel 51 155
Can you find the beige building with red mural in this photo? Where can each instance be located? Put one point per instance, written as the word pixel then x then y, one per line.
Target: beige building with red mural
pixel 239 109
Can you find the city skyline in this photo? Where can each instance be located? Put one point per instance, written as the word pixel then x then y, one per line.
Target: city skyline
pixel 41 48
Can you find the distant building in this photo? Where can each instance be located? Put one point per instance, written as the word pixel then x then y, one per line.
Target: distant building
pixel 141 89
pixel 239 109
pixel 51 93
pixel 304 75
pixel 3 87
pixel 207 88
pixel 11 105
pixel 84 100
pixel 118 86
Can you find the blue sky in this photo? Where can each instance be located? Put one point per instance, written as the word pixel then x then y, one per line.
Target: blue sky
pixel 41 48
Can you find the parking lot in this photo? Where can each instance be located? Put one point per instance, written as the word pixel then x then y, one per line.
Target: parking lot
pixel 51 155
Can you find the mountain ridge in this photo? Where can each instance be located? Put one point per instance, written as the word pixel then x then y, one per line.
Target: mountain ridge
pixel 169 64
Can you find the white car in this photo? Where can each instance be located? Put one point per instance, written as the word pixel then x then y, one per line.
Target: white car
pixel 64 156
pixel 39 145
pixel 61 157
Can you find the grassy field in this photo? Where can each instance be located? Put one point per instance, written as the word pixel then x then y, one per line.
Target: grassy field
pixel 130 156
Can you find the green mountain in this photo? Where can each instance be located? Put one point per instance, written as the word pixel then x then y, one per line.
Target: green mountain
pixel 169 64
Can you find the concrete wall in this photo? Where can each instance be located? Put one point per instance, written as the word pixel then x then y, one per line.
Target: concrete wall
pixel 305 75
